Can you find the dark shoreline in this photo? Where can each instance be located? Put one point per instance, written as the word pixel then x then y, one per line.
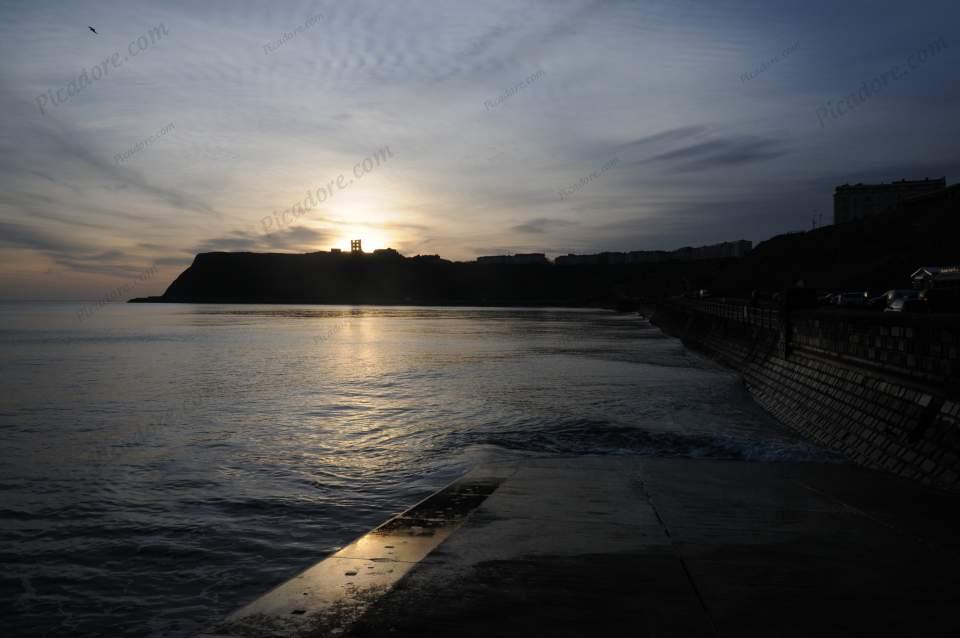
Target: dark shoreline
pixel 551 304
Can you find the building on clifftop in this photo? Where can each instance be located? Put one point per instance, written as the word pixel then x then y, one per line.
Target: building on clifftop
pixel 852 202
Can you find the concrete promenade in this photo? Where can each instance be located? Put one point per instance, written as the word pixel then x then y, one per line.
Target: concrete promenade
pixel 634 546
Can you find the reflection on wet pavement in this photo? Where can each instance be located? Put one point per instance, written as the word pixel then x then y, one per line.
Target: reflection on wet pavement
pixel 332 594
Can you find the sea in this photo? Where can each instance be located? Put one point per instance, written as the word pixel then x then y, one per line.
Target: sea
pixel 163 464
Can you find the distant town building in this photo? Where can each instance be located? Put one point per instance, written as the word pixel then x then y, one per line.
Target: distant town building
pixel 577 260
pixel 335 251
pixel 649 256
pixel 521 258
pixel 929 277
pixel 852 202
pixel 529 258
pixel 613 258
pixel 737 248
pixel 355 246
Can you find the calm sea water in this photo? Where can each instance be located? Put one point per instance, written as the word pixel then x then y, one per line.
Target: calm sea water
pixel 163 464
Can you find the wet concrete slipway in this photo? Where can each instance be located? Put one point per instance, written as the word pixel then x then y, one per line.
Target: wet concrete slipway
pixel 621 546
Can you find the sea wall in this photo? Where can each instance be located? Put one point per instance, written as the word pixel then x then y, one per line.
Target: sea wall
pixel 881 388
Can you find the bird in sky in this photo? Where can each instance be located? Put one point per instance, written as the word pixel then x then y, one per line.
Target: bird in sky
pixel 92 29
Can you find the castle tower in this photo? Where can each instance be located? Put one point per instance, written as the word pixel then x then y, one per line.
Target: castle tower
pixel 355 246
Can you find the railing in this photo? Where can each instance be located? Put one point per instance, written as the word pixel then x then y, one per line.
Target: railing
pixel 734 310
pixel 926 346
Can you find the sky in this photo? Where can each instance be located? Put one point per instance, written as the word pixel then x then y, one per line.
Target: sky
pixel 488 127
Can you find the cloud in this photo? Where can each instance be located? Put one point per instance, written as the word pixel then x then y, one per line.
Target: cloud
pixel 721 153
pixel 670 225
pixel 114 262
pixel 34 238
pixel 655 85
pixel 670 135
pixel 398 226
pixel 71 255
pixel 72 157
pixel 173 261
pixel 541 225
pixel 385 225
pixel 236 241
pixel 298 238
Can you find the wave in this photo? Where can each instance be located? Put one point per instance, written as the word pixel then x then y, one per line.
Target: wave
pixel 583 436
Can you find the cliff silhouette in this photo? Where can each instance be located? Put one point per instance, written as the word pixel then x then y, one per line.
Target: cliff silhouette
pixel 875 253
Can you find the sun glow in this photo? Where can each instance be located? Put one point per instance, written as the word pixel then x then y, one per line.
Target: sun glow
pixel 372 240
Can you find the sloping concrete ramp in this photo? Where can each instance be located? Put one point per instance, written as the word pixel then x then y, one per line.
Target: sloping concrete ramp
pixel 630 546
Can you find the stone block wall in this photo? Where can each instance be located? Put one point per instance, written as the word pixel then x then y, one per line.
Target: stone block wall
pixel 922 346
pixel 879 388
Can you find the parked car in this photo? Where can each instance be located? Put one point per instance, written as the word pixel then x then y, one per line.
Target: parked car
pixel 850 299
pixel 884 301
pixel 907 304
